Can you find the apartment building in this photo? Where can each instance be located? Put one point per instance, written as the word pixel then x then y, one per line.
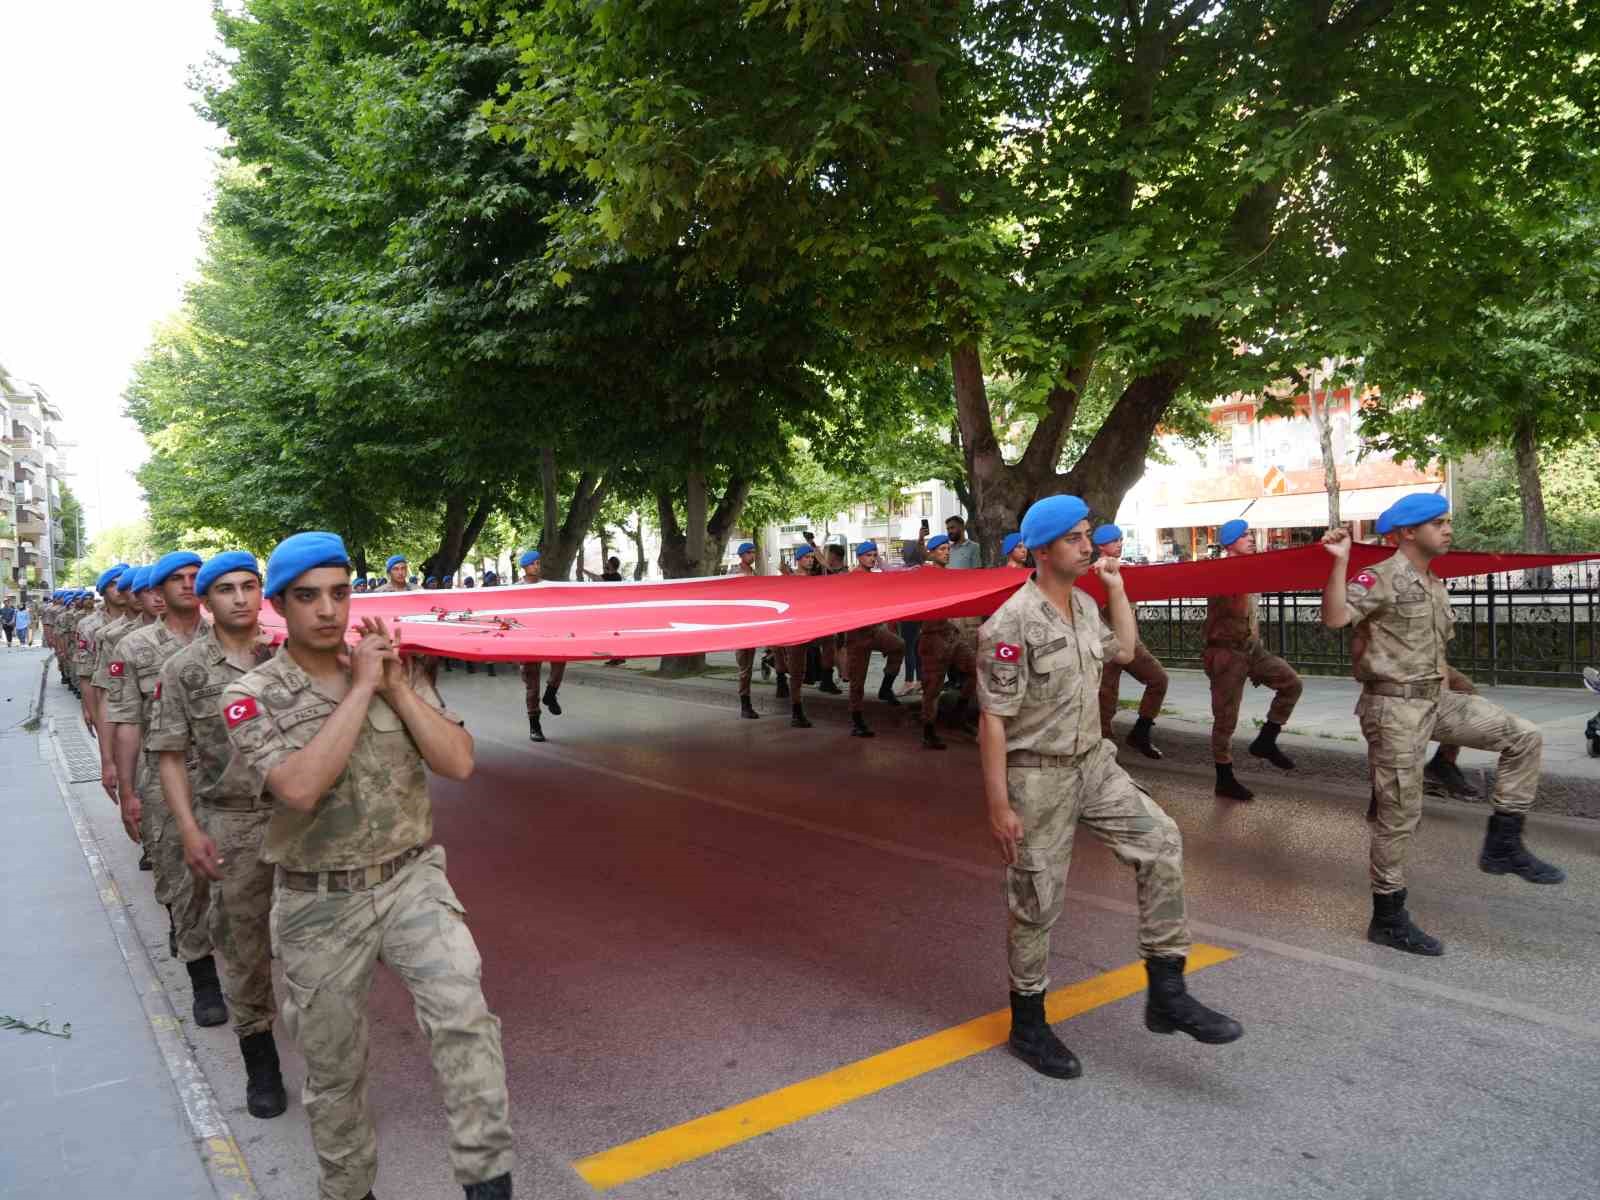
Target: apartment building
pixel 33 554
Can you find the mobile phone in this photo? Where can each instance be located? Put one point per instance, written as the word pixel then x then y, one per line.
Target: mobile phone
pixel 924 524
pixel 808 535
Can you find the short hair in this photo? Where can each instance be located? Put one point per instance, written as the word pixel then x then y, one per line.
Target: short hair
pixel 613 561
pixel 955 517
pixel 835 548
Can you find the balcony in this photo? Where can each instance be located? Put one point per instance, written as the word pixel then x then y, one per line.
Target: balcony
pixel 30 525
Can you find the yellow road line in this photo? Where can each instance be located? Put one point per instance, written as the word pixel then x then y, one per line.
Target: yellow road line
pixel 751 1118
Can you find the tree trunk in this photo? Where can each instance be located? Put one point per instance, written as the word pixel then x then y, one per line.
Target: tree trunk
pixel 636 536
pixel 697 546
pixel 561 540
pixel 360 557
pixel 1535 530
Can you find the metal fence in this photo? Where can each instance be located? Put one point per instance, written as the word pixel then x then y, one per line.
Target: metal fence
pixel 1523 627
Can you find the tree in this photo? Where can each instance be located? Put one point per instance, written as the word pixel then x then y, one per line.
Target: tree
pixel 1029 190
pixel 1489 513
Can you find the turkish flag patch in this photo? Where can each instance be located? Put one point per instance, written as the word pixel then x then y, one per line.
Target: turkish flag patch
pixel 158 689
pixel 1006 652
pixel 1366 579
pixel 83 643
pixel 240 711
pixel 114 669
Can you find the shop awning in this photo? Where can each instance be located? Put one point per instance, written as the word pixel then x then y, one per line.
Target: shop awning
pixel 1185 516
pixel 1309 510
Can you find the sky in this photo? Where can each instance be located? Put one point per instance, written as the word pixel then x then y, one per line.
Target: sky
pixel 105 178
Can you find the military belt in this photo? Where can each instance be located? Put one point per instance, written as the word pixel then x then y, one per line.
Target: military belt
pixel 358 879
pixel 229 804
pixel 1403 691
pixel 1027 758
pixel 1220 644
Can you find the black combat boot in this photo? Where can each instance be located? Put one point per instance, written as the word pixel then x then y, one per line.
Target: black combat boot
pixel 1392 926
pixel 798 718
pixel 491 669
pixel 144 861
pixel 886 689
pixel 551 702
pixel 209 1008
pixel 783 685
pixel 1139 738
pixel 1266 746
pixel 766 667
pixel 535 734
pixel 1168 1007
pixel 1035 1043
pixel 264 1093
pixel 1444 773
pixel 1230 788
pixel 930 737
pixel 747 710
pixel 828 686
pixel 498 1188
pixel 1504 854
pixel 472 667
pixel 858 726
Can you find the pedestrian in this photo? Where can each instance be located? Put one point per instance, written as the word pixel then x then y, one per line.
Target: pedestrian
pixel 859 645
pixel 533 572
pixel 1406 623
pixel 1013 553
pixel 941 646
pixel 395 568
pixel 1046 769
pixel 140 656
pixel 745 659
pixel 1144 667
pixel 219 813
pixel 342 739
pixel 8 619
pixel 1234 654
pixel 613 571
pixel 964 552
pixel 24 624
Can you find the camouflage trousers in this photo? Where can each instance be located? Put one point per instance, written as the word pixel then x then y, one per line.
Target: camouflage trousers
pixel 1147 669
pixel 858 647
pixel 1398 731
pixel 241 903
pixel 746 659
pixel 939 650
pixel 1051 801
pixel 1228 669
pixel 184 897
pixel 530 682
pixel 793 661
pixel 328 943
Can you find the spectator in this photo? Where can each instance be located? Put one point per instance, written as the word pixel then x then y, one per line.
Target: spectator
pixel 964 553
pixel 25 614
pixel 8 620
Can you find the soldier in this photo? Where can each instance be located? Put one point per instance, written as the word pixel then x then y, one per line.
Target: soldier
pixel 342 741
pixel 746 659
pixel 219 815
pixel 859 645
pixel 1145 667
pixel 115 613
pixel 941 646
pixel 1405 625
pixel 1046 768
pixel 134 584
pixel 82 643
pixel 533 572
pixel 1013 553
pixel 794 657
pixel 360 585
pixel 141 655
pixel 1233 654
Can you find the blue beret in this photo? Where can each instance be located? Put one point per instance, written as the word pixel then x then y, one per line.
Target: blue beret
pixel 299 553
pixel 866 548
pixel 1232 531
pixel 529 557
pixel 141 579
pixel 393 561
pixel 802 550
pixel 108 577
pixel 1104 534
pixel 431 579
pixel 1416 509
pixel 1048 519
pixel 168 563
pixel 449 578
pixel 1012 541
pixel 938 540
pixel 746 548
pixel 221 564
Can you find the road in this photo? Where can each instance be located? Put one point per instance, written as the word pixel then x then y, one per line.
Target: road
pixel 680 912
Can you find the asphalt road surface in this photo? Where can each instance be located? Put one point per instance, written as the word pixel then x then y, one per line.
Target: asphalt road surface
pixel 681 913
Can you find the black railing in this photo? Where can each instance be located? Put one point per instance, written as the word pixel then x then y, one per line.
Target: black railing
pixel 1515 628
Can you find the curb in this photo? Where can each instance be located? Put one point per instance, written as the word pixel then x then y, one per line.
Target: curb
pixel 219 1151
pixel 1326 762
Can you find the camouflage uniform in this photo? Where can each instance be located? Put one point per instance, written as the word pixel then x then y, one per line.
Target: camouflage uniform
pixel 141 655
pixel 858 647
pixel 1233 654
pixel 83 652
pixel 941 645
pixel 1041 675
pixel 530 682
pixel 745 659
pixel 1405 624
pixel 356 883
pixel 1454 681
pixel 389 585
pixel 1147 669
pixel 233 814
pixel 66 632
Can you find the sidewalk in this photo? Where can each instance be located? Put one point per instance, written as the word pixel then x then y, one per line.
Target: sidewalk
pixel 1324 736
pixel 96 1114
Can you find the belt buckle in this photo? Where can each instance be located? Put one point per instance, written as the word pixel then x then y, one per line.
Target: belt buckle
pixel 373 876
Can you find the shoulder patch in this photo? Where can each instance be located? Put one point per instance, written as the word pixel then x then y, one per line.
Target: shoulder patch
pixel 1365 580
pixel 115 668
pixel 240 711
pixel 1006 652
pixel 193 676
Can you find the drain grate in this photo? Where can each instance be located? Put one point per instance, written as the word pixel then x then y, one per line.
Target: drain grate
pixel 81 754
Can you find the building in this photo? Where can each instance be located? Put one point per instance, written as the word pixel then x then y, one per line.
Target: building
pixel 33 554
pixel 1267 470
